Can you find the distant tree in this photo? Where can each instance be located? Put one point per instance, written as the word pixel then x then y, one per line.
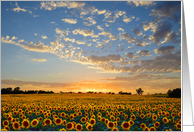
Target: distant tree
pixel 176 93
pixel 120 92
pixel 16 90
pixel 139 91
pixel 109 93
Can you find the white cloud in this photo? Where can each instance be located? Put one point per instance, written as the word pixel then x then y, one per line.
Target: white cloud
pixel 51 5
pixel 87 32
pixel 68 39
pixel 101 12
pixel 39 60
pixel 35 34
pixel 120 29
pixel 61 32
pixel 70 21
pixel 80 42
pixel 126 19
pixel 13 38
pixel 44 37
pixel 89 44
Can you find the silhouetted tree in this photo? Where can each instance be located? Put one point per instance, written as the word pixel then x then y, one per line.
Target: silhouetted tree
pixel 176 93
pixel 139 91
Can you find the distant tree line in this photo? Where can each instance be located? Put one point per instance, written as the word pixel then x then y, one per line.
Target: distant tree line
pixel 18 91
pixel 175 93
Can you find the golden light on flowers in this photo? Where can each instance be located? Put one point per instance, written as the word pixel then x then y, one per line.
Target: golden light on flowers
pixel 111 115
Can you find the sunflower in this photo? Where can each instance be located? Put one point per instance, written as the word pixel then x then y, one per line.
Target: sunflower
pixel 40 119
pixel 146 129
pixel 152 129
pixel 34 122
pixel 154 117
pixel 89 127
pixel 25 123
pixel 125 125
pixel 70 126
pixel 115 129
pixel 143 126
pixel 16 126
pixel 47 121
pixel 64 122
pixel 57 121
pixel 133 117
pixel 86 114
pixel 112 118
pixel 6 123
pixel 7 128
pixel 157 124
pixel 110 124
pixel 142 116
pixel 83 119
pixel 78 127
pixel 131 123
pixel 92 121
pixel 62 129
pixel 179 114
pixel 118 119
pixel 178 126
pixel 165 120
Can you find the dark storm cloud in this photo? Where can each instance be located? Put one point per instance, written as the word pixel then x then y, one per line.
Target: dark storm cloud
pixel 170 9
pixel 165 49
pixel 162 30
pixel 137 31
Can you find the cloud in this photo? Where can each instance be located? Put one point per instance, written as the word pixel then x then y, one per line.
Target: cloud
pixel 141 3
pixel 170 9
pixel 80 42
pixel 127 37
pixel 130 55
pixel 101 12
pixel 68 39
pixel 39 60
pixel 61 32
pixel 74 12
pixel 35 34
pixel 70 21
pixel 162 30
pixel 137 31
pixel 144 53
pixel 165 49
pixel 87 32
pixel 126 19
pixel 52 5
pixel 17 9
pixel 172 37
pixel 44 37
pixel 13 38
pixel 90 44
pixel 120 29
pixel 151 25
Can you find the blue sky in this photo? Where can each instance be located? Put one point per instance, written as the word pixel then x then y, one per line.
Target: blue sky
pixel 91 45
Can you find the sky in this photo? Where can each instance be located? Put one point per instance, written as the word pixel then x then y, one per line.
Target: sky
pixel 101 46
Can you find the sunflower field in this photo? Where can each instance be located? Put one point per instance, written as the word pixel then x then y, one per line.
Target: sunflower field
pixel 89 112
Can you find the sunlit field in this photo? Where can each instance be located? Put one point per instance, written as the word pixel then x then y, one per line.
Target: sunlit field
pixel 89 112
